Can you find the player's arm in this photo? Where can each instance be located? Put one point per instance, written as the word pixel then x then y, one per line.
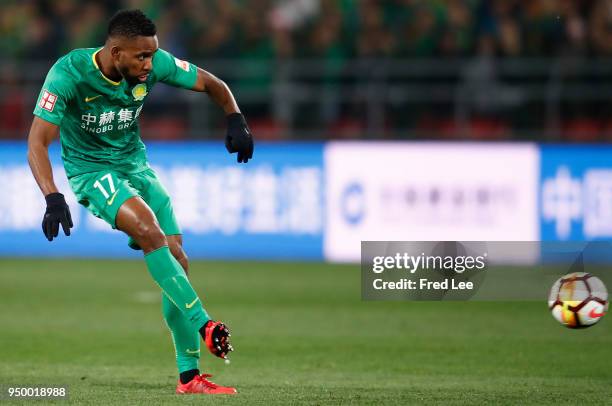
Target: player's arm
pixel 175 72
pixel 238 138
pixel 42 133
pixel 217 90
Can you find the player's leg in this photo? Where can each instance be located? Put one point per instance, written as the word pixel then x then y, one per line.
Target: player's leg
pixel 215 334
pixel 175 243
pixel 158 200
pixel 105 194
pixel 185 338
pixel 116 198
pixel 136 219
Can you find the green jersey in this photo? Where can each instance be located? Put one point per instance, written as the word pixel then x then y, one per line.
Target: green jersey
pixel 98 117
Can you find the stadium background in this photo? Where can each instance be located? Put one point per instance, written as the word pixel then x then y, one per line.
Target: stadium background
pixel 374 120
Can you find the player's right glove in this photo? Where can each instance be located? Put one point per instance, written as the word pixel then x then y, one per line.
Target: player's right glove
pixel 239 138
pixel 57 213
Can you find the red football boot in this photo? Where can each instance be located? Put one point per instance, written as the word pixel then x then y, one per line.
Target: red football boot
pixel 216 337
pixel 199 384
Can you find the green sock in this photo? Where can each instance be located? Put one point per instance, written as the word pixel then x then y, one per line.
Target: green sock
pixel 171 278
pixel 186 339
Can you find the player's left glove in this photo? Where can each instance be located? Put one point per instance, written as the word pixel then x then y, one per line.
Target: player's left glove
pixel 57 213
pixel 239 138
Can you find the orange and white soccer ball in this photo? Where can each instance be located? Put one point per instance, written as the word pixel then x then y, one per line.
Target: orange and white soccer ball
pixel 578 300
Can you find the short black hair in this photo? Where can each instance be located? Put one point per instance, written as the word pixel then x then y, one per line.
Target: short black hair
pixel 131 23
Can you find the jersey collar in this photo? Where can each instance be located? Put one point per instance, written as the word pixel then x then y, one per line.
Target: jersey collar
pixel 93 58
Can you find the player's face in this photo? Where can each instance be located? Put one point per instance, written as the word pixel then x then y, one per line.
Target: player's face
pixel 134 59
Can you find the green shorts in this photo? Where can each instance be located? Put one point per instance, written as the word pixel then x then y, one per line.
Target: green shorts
pixel 102 193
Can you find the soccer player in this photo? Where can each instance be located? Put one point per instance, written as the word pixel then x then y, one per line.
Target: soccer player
pixel 92 97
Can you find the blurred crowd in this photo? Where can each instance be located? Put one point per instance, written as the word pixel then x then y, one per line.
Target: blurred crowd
pixel 319 28
pixel 329 31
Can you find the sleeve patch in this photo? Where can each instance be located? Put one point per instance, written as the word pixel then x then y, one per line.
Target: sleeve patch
pixel 184 65
pixel 47 100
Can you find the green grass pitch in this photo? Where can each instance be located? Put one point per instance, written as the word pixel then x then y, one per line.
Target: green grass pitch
pixel 302 336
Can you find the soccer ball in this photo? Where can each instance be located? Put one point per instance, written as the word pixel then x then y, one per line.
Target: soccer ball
pixel 578 300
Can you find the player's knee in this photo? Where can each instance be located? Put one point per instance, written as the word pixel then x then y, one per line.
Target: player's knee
pixel 149 236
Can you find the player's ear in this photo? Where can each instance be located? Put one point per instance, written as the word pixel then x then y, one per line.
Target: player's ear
pixel 114 51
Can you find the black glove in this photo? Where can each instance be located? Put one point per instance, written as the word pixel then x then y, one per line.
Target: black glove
pixel 57 213
pixel 239 138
